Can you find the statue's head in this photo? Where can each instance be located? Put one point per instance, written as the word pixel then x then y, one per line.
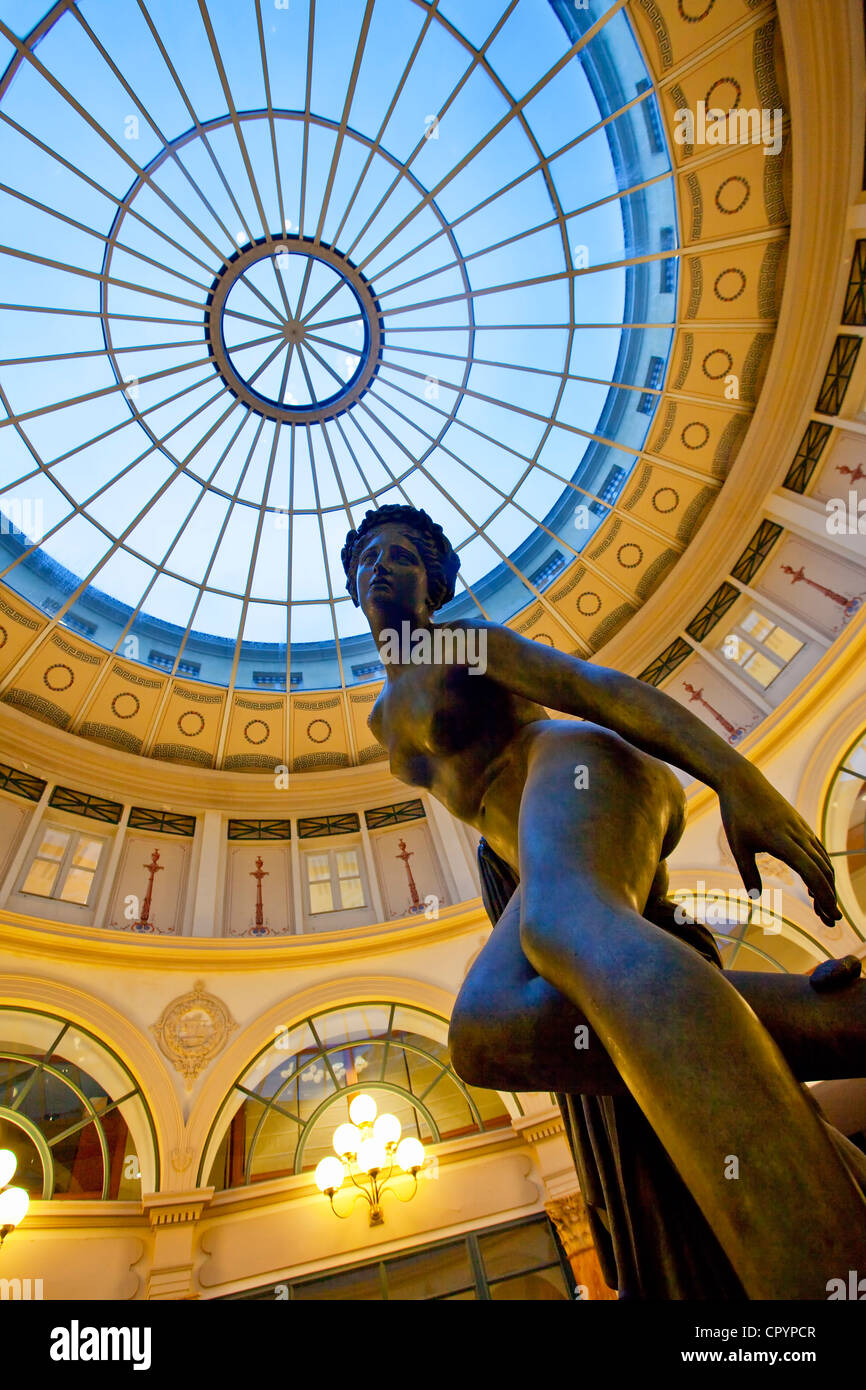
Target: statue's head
pixel 423 538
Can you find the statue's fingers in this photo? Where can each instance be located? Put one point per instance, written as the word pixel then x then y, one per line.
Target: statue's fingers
pixel 748 867
pixel 816 844
pixel 816 877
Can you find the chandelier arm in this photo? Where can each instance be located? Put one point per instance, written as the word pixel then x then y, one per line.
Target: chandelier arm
pixel 396 1192
pixel 344 1215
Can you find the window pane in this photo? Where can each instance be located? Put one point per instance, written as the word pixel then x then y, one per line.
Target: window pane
pixel 761 668
pixel 53 844
pixel 318 869
pixel 320 897
pixel 354 1284
pixel 507 1252
pixel 545 1284
pixel 87 854
pixel 783 643
pixel 735 648
pixel 351 892
pixel 757 625
pixel 40 878
pixel 76 888
pixel 431 1273
pixel 347 863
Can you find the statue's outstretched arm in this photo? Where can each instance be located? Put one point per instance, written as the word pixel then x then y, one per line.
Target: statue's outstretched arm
pixel 755 816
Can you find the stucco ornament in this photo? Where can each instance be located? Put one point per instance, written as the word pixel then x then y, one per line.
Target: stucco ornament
pixel 192 1030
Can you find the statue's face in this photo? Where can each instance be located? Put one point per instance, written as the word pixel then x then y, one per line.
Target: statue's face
pixel 391 576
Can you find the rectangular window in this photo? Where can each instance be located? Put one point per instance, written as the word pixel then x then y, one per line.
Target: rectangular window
pixel 768 650
pixel 334 880
pixel 64 866
pixel 522 1261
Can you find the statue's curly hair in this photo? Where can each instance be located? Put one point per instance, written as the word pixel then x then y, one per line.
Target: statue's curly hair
pixel 440 559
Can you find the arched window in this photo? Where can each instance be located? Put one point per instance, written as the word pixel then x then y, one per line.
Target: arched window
pixel 843 831
pixel 69 1109
pixel 290 1099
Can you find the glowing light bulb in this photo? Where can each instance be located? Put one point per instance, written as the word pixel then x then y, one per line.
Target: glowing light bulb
pixel 362 1111
pixel 372 1156
pixel 8 1164
pixel 13 1206
pixel 387 1129
pixel 409 1155
pixel 329 1175
pixel 347 1139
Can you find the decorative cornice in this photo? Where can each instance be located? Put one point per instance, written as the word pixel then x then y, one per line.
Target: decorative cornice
pixel 175 1208
pixel 34 936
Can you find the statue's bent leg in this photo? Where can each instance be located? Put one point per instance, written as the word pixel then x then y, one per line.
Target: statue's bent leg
pixel 512 1031
pixel 707 1075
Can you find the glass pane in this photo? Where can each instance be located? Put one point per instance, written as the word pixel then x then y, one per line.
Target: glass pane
pixel 53 843
pixel 783 643
pixel 87 853
pixel 431 1273
pixel 318 868
pixel 507 1252
pixel 352 1285
pixel 321 899
pixel 736 649
pixel 757 625
pixel 351 892
pixel 275 1146
pixel 761 668
pixel 544 1284
pixel 76 888
pixel 40 878
pixel 347 863
pixel 78 1166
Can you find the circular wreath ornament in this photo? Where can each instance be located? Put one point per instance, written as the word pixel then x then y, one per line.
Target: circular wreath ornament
pixel 190 714
pixel 258 725
pixel 58 682
pixel 318 736
pixel 192 1030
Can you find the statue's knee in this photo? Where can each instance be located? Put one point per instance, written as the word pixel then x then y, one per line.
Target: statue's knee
pixel 537 942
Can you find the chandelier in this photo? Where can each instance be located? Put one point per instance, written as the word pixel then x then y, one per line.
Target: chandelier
pixel 365 1149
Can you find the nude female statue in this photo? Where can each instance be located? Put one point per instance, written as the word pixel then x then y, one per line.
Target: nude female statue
pixel 576 943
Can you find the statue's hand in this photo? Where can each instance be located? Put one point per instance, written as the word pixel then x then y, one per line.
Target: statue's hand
pixel 757 819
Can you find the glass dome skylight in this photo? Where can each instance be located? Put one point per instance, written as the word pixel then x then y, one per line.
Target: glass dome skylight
pixel 267 266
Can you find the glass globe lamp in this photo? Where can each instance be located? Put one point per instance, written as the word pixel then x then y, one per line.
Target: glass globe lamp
pixel 362 1111
pixel 13 1208
pixel 329 1175
pixel 347 1140
pixel 8 1164
pixel 371 1156
pixel 409 1155
pixel 387 1129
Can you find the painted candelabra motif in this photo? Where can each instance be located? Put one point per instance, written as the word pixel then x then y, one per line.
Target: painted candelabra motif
pixel 259 927
pixel 799 576
pixel 730 729
pixel 416 905
pixel 143 923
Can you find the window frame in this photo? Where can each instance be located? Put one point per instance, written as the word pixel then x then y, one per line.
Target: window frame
pixel 470 1240
pixel 757 645
pixel 335 880
pixel 64 864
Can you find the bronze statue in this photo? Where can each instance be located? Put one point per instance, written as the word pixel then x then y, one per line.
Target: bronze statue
pixel 707 1170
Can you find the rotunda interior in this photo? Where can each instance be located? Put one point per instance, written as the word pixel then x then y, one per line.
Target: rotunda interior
pixel 586 282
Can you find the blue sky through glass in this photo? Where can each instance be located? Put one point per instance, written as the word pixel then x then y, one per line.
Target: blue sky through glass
pixel 454 158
